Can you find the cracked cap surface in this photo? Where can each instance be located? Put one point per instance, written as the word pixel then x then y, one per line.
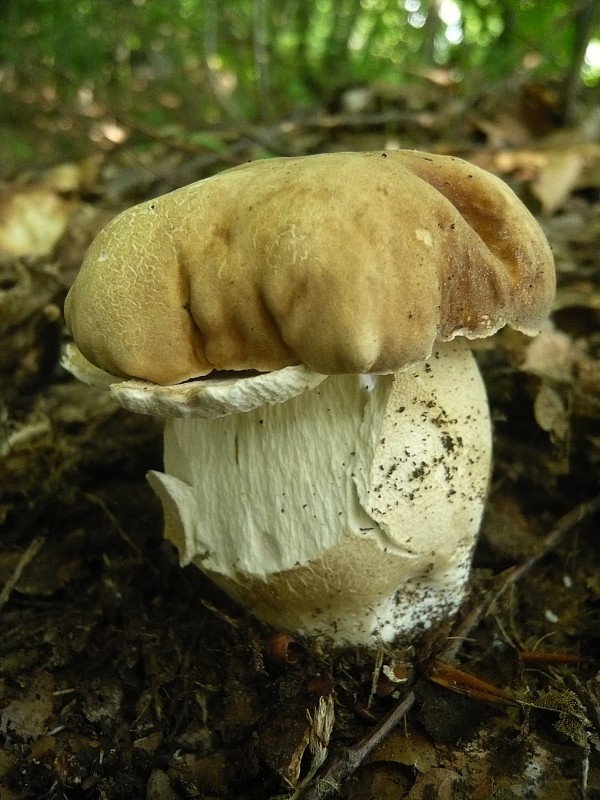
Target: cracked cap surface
pixel 344 262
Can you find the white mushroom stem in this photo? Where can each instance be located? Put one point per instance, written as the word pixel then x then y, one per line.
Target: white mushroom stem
pixel 349 511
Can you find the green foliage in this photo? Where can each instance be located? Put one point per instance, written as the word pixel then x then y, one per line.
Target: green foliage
pixel 256 58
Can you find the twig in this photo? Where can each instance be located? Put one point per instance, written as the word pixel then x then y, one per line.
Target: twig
pixel 329 122
pixel 348 761
pixel 562 527
pixel 379 657
pixel 93 498
pixel 27 557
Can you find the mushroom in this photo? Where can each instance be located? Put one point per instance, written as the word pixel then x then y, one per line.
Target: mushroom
pixel 301 323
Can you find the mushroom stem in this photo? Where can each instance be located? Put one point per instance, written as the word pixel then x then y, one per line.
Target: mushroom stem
pixel 349 511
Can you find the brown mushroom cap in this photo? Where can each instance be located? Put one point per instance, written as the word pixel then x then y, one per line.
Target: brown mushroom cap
pixel 344 262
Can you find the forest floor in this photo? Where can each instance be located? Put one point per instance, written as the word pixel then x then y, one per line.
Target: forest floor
pixel 124 676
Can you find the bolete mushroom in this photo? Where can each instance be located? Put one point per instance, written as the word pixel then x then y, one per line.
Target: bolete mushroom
pixel 301 324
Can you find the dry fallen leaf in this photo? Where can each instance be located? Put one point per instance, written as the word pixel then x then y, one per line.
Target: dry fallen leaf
pixel 439 783
pixel 551 413
pixel 412 749
pixel 551 354
pixel 32 219
pixel 27 716
pixel 557 179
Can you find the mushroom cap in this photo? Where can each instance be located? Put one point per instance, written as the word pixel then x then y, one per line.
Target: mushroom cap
pixel 343 262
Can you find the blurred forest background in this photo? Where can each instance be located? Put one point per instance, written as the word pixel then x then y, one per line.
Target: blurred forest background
pixel 79 74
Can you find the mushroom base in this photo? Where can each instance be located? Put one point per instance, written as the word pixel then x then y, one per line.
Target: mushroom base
pixel 349 511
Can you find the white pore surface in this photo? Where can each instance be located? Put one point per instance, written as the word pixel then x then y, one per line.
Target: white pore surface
pixel 349 511
pixel 205 398
pixel 210 397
